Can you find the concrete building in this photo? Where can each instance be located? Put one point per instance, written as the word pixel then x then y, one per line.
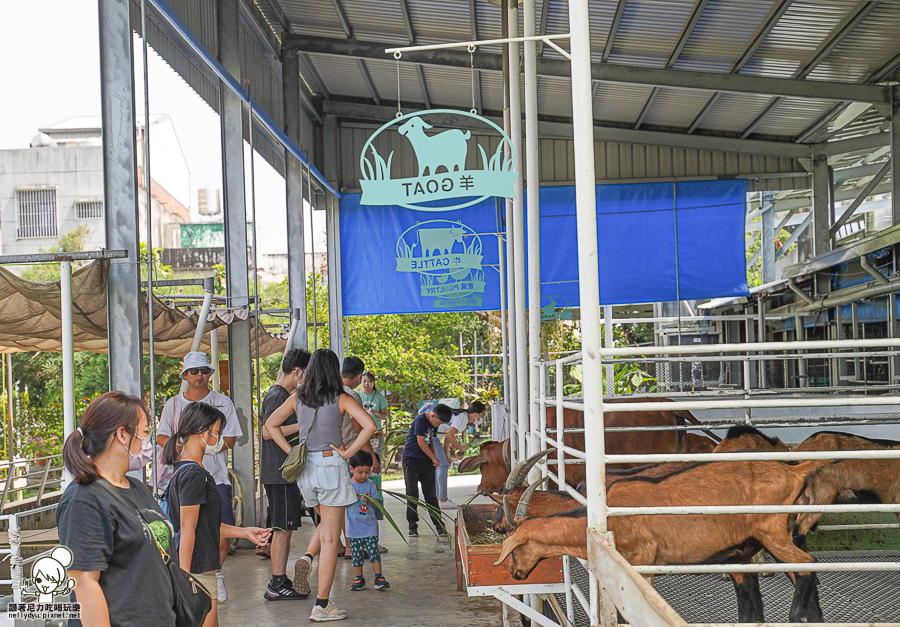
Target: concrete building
pixel 56 185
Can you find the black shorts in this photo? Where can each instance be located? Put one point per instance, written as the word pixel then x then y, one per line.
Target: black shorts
pixel 285 505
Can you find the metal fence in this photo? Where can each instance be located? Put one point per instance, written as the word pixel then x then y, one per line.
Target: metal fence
pixel 752 391
pixel 30 480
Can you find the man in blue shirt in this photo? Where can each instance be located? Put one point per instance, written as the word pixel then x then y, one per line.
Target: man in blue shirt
pixel 419 463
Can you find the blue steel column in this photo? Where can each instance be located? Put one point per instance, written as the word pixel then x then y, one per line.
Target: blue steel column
pixel 120 195
pixel 290 69
pixel 240 370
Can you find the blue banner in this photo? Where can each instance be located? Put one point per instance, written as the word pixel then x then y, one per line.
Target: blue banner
pixel 657 241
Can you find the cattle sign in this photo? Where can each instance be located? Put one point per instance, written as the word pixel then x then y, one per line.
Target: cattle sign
pixel 445 171
pixel 447 256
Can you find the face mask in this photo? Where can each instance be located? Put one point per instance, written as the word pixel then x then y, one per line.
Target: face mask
pixel 212 449
pixel 479 420
pixel 136 462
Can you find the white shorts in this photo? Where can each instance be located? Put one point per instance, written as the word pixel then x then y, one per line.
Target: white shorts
pixel 326 481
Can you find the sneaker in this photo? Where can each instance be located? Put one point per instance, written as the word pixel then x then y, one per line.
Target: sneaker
pixel 442 533
pixel 301 576
pixel 382 549
pixel 413 532
pixel 220 587
pixel 448 504
pixel 322 614
pixel 359 583
pixel 381 583
pixel 284 592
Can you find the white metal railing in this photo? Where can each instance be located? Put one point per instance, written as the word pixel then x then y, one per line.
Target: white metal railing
pixel 29 475
pixel 547 437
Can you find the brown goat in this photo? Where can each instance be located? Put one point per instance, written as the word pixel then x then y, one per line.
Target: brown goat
pixel 846 479
pixel 689 539
pixel 493 460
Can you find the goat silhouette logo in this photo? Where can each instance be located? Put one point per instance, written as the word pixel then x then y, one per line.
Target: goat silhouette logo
pixel 447 256
pixel 554 310
pixel 444 169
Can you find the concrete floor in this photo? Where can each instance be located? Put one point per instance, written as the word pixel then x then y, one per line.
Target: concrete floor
pixel 422 577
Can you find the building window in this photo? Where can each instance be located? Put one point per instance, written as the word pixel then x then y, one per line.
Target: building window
pixel 86 209
pixel 36 213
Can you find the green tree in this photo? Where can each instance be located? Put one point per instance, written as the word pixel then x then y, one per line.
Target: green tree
pixel 73 241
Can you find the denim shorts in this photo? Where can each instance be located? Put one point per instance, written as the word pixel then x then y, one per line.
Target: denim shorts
pixel 325 481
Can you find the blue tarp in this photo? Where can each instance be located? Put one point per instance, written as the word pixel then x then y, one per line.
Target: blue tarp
pixel 397 260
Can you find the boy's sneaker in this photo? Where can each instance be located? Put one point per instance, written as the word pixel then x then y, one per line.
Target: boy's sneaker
pixel 381 583
pixel 448 504
pixel 301 576
pixel 359 583
pixel 442 533
pixel 220 587
pixel 413 532
pixel 284 592
pixel 322 614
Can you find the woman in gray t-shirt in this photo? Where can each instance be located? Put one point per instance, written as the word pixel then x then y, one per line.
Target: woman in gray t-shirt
pixel 320 402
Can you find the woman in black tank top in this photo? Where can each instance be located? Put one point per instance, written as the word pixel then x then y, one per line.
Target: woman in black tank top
pixel 322 386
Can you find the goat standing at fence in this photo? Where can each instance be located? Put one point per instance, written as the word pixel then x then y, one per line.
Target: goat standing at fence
pixel 849 480
pixel 687 539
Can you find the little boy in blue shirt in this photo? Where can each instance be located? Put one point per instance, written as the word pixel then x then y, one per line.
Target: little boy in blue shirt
pixel 362 526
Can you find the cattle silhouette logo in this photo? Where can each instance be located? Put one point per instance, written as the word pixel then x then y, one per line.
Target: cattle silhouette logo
pixel 447 256
pixel 49 576
pixel 446 169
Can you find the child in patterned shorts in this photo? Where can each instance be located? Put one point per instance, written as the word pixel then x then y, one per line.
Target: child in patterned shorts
pixel 362 526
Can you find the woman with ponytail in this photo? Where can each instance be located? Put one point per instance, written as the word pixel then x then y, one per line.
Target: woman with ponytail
pixel 195 503
pixel 104 517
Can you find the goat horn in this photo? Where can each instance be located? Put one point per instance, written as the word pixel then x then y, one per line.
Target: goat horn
pixel 507 513
pixel 520 472
pixel 525 501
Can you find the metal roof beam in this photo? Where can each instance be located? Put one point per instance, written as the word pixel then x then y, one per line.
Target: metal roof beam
pixel 620 9
pixel 673 57
pixel 676 79
pixel 364 70
pixel 316 77
pixel 855 144
pixel 862 12
pixel 560 130
pixel 758 38
pixel 342 17
pixel 542 26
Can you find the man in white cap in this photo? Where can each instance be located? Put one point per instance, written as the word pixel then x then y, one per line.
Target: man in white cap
pixel 197 372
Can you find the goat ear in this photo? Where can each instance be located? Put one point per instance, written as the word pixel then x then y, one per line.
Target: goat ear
pixel 470 464
pixel 426 124
pixel 510 544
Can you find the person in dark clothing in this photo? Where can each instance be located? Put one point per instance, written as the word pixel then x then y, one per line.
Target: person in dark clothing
pixel 104 517
pixel 195 503
pixel 285 500
pixel 419 463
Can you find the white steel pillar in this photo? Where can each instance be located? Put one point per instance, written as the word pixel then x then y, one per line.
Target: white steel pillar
pixel 589 288
pixel 532 164
pixel 511 303
pixel 68 355
pixel 895 164
pixel 518 216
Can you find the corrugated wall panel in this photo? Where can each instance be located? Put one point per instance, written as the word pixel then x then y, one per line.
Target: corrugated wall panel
pixel 384 75
pixel 554 96
pixel 792 116
pixel 448 86
pixel 341 75
pixel 620 103
pixel 376 20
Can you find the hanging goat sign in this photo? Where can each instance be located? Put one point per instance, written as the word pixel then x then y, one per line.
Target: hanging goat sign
pixel 445 169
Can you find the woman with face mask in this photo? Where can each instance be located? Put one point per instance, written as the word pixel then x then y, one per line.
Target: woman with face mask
pixel 195 503
pixel 111 523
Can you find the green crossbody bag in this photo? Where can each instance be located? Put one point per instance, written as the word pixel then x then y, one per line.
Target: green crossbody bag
pixel 296 459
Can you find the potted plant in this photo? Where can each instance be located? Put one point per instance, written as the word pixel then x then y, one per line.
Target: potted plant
pixel 37 446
